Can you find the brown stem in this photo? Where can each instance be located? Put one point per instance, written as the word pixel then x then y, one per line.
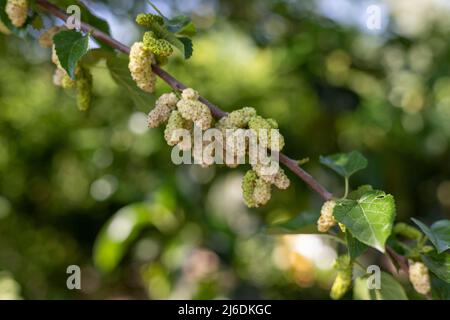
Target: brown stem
pixel 177 85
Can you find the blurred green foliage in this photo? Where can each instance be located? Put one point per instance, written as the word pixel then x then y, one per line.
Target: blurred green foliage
pixel 68 178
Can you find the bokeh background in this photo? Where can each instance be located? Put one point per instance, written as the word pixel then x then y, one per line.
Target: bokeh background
pixel 98 189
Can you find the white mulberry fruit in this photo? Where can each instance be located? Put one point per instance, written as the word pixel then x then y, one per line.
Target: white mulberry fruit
pixel 194 110
pixel 17 11
pixel 419 277
pixel 326 219
pixel 163 107
pixel 140 66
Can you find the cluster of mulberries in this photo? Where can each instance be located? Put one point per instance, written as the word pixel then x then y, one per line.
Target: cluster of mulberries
pixel 419 277
pixel 192 109
pixel 17 11
pixel 180 114
pixel 140 65
pixel 83 77
pixel 343 279
pixel 152 40
pixel 326 219
pixel 256 184
pixel 187 111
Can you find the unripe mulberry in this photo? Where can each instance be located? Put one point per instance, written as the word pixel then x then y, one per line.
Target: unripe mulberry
pixel 190 94
pixel 343 279
pixel 237 119
pixel 279 178
pixel 147 20
pixel 176 122
pixel 159 47
pixel 326 219
pixel 140 66
pixel 84 88
pixel 255 191
pixel 195 111
pixel 17 11
pixel 419 277
pixel 46 38
pixel 258 123
pixel 163 107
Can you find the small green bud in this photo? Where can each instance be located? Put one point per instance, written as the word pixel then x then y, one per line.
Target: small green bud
pixel 160 47
pixel 147 19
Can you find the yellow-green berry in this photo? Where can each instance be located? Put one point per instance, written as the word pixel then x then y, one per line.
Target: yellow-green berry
pixel 176 122
pixel 159 47
pixel 419 277
pixel 343 279
pixel 256 192
pixel 84 88
pixel 147 20
pixel 279 178
pixel 194 110
pixel 238 118
pixel 163 107
pixel 258 123
pixel 326 219
pixel 140 66
pixel 17 11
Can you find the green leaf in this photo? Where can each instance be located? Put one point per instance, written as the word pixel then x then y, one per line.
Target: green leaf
pixel 345 164
pixel 439 233
pixel 118 68
pixel 304 223
pixel 70 47
pixel 390 289
pixel 354 246
pixel 94 56
pixel 123 228
pixel 369 219
pixel 358 193
pixel 439 289
pixel 188 47
pixel 439 264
